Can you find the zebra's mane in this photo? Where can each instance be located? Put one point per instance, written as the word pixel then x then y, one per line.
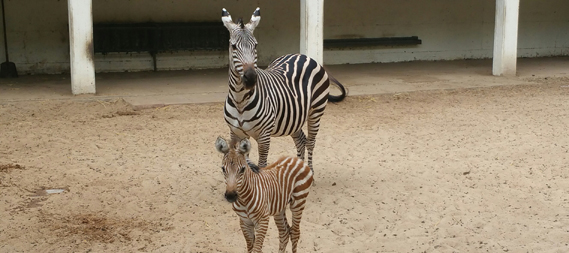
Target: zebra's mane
pixel 240 23
pixel 234 142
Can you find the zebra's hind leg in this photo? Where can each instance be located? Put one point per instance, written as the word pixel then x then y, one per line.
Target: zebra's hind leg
pixel 284 230
pixel 300 142
pixel 313 127
pixel 296 207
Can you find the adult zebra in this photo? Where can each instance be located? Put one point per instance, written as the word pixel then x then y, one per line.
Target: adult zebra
pixel 277 101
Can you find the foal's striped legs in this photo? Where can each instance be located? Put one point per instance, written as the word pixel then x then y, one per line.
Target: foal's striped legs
pixel 284 230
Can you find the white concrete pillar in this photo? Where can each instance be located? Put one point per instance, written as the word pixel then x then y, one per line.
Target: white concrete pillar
pixel 506 38
pixel 80 14
pixel 312 29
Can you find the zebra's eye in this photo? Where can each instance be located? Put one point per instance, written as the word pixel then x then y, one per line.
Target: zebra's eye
pixel 223 169
pixel 234 46
pixel 242 169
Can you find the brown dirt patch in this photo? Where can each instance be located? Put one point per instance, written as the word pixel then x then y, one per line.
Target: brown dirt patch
pixel 98 228
pixel 10 166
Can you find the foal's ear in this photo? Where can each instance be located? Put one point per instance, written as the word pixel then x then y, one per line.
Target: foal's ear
pixel 221 145
pixel 255 18
pixel 244 146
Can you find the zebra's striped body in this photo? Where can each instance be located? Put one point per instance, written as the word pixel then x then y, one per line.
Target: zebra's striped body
pixel 257 196
pixel 277 101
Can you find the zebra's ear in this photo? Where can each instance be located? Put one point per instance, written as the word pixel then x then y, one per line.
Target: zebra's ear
pixel 255 18
pixel 221 145
pixel 226 19
pixel 244 146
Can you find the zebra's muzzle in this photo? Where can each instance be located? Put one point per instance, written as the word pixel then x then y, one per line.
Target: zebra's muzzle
pixel 231 196
pixel 249 78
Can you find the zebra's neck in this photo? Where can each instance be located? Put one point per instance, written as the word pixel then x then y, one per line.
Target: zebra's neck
pixel 237 92
pixel 246 186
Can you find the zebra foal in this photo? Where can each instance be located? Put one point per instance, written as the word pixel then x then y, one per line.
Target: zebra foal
pixel 277 101
pixel 258 195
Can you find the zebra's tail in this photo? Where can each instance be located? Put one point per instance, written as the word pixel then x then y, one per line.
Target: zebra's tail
pixel 341 87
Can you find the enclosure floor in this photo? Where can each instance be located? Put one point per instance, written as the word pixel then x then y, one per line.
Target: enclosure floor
pixel 456 169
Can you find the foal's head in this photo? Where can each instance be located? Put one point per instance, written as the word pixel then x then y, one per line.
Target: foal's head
pixel 233 164
pixel 243 47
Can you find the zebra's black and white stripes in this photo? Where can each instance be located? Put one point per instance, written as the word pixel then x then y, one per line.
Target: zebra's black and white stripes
pixel 277 101
pixel 257 196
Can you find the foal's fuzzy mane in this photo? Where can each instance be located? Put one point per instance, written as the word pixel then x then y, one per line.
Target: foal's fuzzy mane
pixel 234 143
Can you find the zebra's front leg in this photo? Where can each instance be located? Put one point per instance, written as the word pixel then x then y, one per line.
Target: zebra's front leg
pixel 260 232
pixel 300 142
pixel 264 143
pixel 248 229
pixel 284 230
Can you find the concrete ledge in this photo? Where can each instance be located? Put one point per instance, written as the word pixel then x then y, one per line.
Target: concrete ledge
pixel 149 102
pixel 144 90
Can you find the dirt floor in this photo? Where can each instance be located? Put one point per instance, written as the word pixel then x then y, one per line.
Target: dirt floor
pixel 469 170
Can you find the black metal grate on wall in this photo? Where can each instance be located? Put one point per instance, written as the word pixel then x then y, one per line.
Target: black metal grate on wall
pixel 159 37
pixel 368 42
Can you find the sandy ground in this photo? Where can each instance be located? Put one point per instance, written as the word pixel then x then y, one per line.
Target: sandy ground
pixel 469 170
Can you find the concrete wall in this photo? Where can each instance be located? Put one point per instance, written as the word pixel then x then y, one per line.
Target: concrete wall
pixel 38 36
pixel 543 28
pixel 450 29
pixel 269 33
